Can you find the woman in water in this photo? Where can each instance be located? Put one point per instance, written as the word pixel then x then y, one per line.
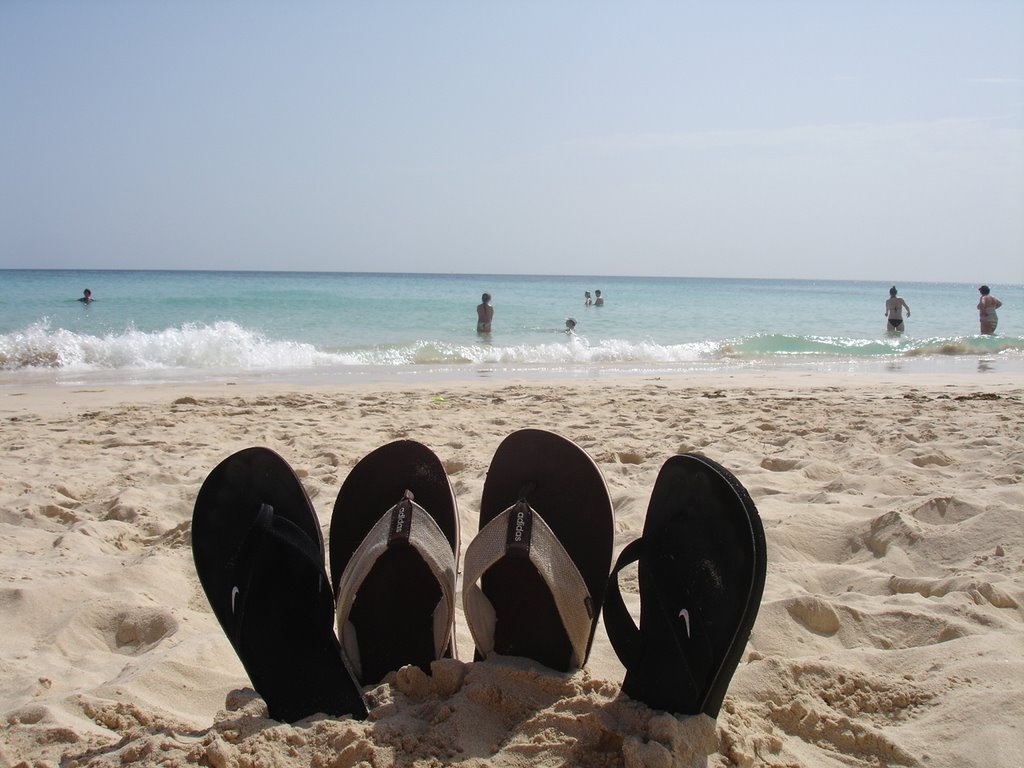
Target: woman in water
pixel 894 307
pixel 484 314
pixel 987 306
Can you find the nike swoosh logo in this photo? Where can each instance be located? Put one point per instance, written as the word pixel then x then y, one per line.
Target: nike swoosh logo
pixel 234 594
pixel 685 616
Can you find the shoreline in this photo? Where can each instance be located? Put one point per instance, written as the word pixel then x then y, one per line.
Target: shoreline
pixel 898 368
pixel 43 395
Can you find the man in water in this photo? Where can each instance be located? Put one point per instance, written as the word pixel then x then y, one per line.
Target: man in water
pixel 894 307
pixel 598 299
pixel 987 306
pixel 484 314
pixel 87 297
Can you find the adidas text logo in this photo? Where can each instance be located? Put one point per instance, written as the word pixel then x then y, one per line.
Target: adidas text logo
pixel 520 526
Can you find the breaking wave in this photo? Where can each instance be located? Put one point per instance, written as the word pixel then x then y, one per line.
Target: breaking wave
pixel 229 346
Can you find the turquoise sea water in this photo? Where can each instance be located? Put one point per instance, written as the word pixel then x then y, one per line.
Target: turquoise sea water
pixel 155 325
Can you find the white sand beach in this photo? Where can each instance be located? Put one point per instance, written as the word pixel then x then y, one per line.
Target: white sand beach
pixel 891 631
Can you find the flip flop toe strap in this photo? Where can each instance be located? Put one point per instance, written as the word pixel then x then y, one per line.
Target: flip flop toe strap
pixel 269 537
pixel 520 531
pixel 622 630
pixel 405 524
pixel 668 658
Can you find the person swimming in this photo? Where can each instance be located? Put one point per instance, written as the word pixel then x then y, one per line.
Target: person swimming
pixel 87 297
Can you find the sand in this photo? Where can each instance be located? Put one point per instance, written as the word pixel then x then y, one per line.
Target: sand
pixel 891 630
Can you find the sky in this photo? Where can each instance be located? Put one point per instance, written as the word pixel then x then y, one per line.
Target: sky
pixel 818 139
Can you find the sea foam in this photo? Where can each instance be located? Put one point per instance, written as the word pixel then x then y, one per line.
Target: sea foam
pixel 227 345
pixel 219 345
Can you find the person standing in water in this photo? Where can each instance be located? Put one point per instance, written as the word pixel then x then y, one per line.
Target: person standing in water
pixel 598 299
pixel 587 301
pixel 894 307
pixel 484 314
pixel 87 297
pixel 987 306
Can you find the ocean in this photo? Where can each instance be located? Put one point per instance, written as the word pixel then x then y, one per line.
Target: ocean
pixel 148 326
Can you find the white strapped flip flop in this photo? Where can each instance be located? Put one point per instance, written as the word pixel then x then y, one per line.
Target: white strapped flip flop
pixel 394 541
pixel 536 572
pixel 520 532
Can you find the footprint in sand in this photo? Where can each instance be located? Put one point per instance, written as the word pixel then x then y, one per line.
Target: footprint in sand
pixel 944 510
pixel 174 538
pixel 58 512
pixel 979 591
pixel 891 528
pixel 628 457
pixel 815 614
pixel 932 460
pixel 329 457
pixel 70 493
pixel 454 466
pixel 775 464
pixel 128 505
pixel 30 714
pixel 136 630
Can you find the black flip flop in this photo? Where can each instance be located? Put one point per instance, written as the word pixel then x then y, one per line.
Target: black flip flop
pixel 259 554
pixel 394 546
pixel 542 554
pixel 702 564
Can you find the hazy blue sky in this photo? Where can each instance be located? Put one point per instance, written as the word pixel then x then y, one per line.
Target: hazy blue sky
pixel 818 139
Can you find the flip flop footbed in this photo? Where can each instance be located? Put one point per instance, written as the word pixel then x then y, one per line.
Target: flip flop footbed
pixel 259 556
pixel 544 568
pixel 393 549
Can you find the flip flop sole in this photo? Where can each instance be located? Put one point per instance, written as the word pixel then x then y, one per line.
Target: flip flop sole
pixel 565 487
pixel 258 552
pixel 393 611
